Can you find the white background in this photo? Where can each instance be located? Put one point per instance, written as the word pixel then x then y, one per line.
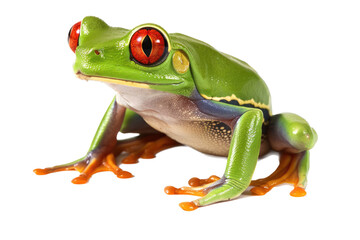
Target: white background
pixel 308 53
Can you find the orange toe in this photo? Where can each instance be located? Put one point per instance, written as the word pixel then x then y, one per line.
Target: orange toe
pixel 41 171
pixel 196 182
pixel 298 192
pixel 188 206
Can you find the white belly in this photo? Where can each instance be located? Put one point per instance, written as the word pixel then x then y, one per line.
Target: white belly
pixel 177 117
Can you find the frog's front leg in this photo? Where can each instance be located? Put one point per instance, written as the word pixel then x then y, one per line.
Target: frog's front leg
pixel 242 158
pixel 105 147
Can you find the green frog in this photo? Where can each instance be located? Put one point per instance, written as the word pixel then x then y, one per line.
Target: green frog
pixel 174 90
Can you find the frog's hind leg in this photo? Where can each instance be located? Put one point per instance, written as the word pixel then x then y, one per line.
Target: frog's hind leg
pixel 292 137
pixel 143 146
pixel 292 169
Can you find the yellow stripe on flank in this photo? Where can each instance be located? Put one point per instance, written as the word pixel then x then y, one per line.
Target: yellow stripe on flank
pixel 240 101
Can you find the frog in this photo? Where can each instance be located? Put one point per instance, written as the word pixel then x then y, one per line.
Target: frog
pixel 174 90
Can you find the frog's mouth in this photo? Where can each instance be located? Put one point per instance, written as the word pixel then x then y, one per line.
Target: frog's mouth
pixel 120 81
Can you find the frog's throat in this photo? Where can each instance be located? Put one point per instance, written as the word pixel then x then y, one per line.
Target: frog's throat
pixel 119 81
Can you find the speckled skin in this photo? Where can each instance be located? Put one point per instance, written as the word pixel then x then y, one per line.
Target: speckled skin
pixel 178 117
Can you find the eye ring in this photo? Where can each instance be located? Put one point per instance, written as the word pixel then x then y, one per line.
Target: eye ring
pixel 148 47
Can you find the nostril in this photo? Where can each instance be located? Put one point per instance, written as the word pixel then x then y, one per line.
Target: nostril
pixel 96 52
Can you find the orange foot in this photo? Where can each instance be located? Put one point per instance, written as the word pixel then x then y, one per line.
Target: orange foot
pixel 143 146
pixel 287 172
pixel 87 168
pixel 198 187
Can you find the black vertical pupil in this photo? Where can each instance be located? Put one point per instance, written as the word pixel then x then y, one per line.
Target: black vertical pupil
pixel 147 45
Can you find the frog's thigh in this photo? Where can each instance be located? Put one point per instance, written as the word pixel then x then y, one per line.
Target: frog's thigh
pixel 290 133
pixel 293 137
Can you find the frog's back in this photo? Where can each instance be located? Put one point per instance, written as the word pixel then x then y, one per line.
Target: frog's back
pixel 221 77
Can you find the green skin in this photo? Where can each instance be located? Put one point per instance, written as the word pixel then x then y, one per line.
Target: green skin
pixel 216 88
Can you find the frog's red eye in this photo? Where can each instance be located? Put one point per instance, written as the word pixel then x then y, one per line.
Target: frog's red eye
pixel 148 46
pixel 73 37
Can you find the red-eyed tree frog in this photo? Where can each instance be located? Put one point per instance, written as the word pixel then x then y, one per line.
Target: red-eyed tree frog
pixel 174 90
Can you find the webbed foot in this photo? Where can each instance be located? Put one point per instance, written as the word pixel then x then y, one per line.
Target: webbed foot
pixel 143 146
pixel 292 169
pixel 87 167
pixel 198 187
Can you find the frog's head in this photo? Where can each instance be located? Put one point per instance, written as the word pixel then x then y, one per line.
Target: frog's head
pixel 142 57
